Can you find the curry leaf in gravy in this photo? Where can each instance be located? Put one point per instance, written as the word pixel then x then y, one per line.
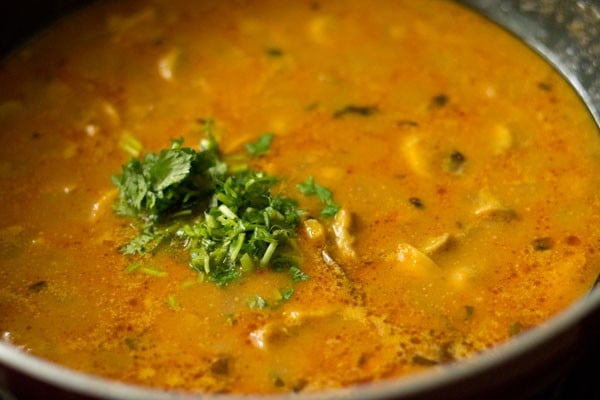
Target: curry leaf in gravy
pixel 455 162
pixel 439 101
pixel 416 202
pixel 38 286
pixel 274 52
pixel 542 244
pixel 352 109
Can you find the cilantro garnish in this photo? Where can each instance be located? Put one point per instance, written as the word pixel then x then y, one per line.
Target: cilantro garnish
pixel 228 219
pixel 245 227
pixel 173 181
pixel 261 146
pixel 310 188
pixel 297 274
pixel 258 302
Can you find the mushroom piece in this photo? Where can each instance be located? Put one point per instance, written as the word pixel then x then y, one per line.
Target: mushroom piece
pixel 437 244
pixel 415 157
pixel 269 333
pixel 341 226
pixel 314 230
pixel 488 206
pixel 167 64
pixel 415 263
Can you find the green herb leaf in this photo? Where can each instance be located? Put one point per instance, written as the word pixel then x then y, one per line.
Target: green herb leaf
pixel 298 275
pixel 261 146
pixel 307 187
pixel 310 188
pixel 172 302
pixel 257 302
pixel 229 221
pixel 330 210
pixel 174 179
pixel 286 294
pixel 130 144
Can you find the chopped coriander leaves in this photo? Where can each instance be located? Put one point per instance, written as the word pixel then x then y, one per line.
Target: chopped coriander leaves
pixel 130 144
pixel 174 180
pixel 228 220
pixel 261 146
pixel 311 188
pixel 330 210
pixel 153 271
pixel 131 268
pixel 257 302
pixel 172 302
pixel 245 228
pixel 298 275
pixel 287 294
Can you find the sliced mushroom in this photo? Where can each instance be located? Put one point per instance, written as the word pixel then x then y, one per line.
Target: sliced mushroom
pixel 167 64
pixel 314 231
pixel 437 244
pixel 269 333
pixel 488 206
pixel 415 156
pixel 415 263
pixel 342 224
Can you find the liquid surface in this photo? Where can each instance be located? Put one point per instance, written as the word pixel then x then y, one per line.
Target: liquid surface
pixel 466 168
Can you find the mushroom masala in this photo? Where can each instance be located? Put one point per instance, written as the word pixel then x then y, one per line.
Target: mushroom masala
pixel 265 196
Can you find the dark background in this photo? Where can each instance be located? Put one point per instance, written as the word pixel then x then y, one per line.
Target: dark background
pixel 19 19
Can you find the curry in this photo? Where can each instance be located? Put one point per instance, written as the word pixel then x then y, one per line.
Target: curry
pixel 429 190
